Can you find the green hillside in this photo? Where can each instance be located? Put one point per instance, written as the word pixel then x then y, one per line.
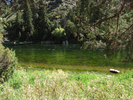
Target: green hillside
pixel 54 9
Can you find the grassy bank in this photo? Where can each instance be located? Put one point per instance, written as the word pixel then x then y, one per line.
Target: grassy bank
pixel 66 85
pixel 78 68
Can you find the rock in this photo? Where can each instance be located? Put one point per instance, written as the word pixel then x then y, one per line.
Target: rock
pixel 65 42
pixel 114 71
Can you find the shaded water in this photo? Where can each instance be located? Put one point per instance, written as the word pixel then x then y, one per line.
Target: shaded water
pixel 69 57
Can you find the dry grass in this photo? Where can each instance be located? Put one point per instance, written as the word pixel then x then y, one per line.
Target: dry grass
pixel 60 85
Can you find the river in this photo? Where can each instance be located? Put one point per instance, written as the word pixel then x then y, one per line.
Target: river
pixel 69 57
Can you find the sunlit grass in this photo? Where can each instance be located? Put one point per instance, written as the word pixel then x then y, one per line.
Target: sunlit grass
pixel 100 69
pixel 66 85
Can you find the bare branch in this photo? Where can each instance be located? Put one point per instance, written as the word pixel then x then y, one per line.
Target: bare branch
pixel 126 29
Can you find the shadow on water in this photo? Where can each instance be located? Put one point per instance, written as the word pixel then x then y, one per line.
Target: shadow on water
pixel 71 57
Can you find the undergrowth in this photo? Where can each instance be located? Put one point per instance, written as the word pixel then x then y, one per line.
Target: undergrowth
pixel 66 85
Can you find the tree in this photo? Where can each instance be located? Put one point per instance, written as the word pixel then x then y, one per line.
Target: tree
pixel 104 23
pixel 54 25
pixel 14 27
pixel 28 25
pixel 70 29
pixel 18 24
pixel 43 21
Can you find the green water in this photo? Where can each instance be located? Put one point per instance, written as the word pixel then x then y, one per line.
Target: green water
pixel 65 57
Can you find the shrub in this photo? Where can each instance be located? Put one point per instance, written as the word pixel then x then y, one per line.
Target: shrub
pixel 59 33
pixel 8 61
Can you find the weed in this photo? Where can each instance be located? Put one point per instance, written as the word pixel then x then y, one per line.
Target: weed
pixel 64 85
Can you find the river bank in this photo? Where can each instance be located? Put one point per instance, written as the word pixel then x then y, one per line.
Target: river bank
pixel 66 85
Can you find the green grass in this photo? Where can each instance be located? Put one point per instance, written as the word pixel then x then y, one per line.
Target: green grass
pixel 67 85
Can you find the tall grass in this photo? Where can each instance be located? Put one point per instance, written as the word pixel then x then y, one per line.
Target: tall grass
pixel 66 85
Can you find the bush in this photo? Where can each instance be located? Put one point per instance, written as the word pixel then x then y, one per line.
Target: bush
pixel 8 61
pixel 59 33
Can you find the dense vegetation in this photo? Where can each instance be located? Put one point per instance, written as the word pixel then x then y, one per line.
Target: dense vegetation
pixel 8 62
pixel 60 85
pixel 94 23
pixel 36 21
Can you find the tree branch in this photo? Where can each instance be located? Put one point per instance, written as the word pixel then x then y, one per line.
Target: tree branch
pixel 115 15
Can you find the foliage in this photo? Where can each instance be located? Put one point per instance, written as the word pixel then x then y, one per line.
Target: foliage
pixel 59 33
pixel 95 23
pixel 34 20
pixel 58 84
pixel 28 25
pixel 42 22
pixel 1 39
pixel 54 25
pixel 10 27
pixel 18 24
pixel 106 26
pixel 8 61
pixel 59 1
pixel 70 29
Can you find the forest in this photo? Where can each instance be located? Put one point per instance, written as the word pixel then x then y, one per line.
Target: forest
pixel 37 21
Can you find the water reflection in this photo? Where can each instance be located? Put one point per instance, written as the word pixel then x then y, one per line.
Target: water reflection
pixel 70 55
